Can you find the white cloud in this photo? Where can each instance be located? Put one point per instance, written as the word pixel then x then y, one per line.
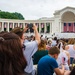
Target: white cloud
pixel 35 9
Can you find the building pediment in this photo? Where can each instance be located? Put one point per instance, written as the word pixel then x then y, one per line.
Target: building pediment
pixel 57 12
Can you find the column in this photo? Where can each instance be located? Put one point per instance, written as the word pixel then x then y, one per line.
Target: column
pixel 62 29
pixel 73 26
pixel 18 24
pixel 7 26
pixel 2 26
pixel 45 29
pixel 59 27
pixel 13 25
pixel 39 27
pixel 23 25
pixel 50 27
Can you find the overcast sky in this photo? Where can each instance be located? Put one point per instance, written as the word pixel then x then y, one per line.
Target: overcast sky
pixel 35 9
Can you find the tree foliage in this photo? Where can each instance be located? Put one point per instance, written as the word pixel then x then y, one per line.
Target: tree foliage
pixel 8 15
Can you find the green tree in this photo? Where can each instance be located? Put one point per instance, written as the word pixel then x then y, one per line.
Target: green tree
pixel 8 15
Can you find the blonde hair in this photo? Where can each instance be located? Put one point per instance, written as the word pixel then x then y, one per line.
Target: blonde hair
pixel 42 45
pixel 71 41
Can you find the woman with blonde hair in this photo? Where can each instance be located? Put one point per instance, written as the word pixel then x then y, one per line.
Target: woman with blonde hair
pixel 71 49
pixel 41 52
pixel 42 45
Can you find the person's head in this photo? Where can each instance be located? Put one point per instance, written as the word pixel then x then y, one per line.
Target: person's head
pixel 32 37
pixel 19 32
pixel 49 42
pixel 61 44
pixel 42 45
pixel 55 38
pixel 71 41
pixel 12 61
pixel 54 52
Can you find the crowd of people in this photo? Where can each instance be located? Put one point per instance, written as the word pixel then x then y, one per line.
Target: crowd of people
pixel 19 53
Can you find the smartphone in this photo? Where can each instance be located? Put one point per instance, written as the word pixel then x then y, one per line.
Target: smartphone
pixel 30 25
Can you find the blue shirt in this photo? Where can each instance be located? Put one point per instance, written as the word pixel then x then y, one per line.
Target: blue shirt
pixel 46 65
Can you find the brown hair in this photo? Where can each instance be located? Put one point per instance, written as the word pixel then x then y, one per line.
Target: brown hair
pixel 54 50
pixel 12 61
pixel 18 31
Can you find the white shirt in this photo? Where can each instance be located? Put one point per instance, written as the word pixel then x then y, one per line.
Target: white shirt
pixel 63 59
pixel 31 48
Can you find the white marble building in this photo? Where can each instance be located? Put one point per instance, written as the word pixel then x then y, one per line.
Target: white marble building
pixel 63 21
